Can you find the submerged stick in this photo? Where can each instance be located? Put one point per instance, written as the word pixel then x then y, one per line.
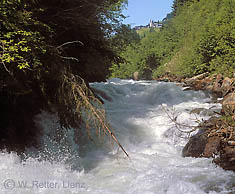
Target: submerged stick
pixel 179 125
pixel 102 122
pixel 82 97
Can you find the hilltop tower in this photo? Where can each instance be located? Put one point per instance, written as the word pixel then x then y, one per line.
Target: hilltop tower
pixel 151 24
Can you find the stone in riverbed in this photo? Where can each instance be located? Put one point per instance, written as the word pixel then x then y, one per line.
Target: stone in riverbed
pixel 227 159
pixel 231 143
pixel 212 146
pixel 204 111
pixel 228 104
pixel 196 78
pixel 226 86
pixel 102 94
pixel 136 76
pixel 210 143
pixel 201 146
pixel 217 85
pixel 196 145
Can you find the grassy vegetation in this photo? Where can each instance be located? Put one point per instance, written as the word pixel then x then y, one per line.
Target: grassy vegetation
pixel 143 32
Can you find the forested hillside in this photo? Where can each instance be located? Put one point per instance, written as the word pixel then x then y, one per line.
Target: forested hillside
pixel 47 49
pixel 199 38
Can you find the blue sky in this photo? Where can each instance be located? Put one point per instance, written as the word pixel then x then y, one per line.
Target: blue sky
pixel 141 11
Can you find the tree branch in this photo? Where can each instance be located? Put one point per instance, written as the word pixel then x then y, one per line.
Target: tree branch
pixel 67 43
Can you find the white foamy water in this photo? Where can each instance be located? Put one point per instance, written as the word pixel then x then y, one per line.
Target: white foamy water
pixel 137 113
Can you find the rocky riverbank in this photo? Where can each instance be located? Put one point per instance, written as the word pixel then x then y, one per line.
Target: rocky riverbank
pixel 216 137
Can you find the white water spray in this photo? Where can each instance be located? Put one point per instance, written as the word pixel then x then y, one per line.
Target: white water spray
pixel 135 112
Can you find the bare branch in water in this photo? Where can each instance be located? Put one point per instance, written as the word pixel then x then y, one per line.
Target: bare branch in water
pixel 173 117
pixel 78 95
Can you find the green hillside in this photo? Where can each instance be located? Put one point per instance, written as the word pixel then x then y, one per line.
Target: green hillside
pixel 143 32
pixel 199 38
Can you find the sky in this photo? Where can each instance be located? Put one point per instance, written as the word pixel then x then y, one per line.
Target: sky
pixel 141 11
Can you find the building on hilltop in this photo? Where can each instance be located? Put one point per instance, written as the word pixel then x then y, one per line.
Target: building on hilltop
pixel 139 27
pixel 152 24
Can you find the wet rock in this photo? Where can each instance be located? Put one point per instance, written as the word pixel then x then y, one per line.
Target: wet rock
pixel 200 82
pixel 219 80
pixel 217 85
pixel 196 145
pixel 200 145
pixel 197 111
pixel 210 142
pixel 205 112
pixel 196 78
pixel 209 87
pixel 167 77
pixel 102 94
pixel 228 104
pixel 212 146
pixel 226 159
pixel 233 117
pixel 231 143
pixel 136 76
pixel 226 86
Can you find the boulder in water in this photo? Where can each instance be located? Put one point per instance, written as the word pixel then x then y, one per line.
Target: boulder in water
pixel 217 85
pixel 212 146
pixel 213 139
pixel 136 76
pixel 227 158
pixel 102 94
pixel 196 145
pixel 196 78
pixel 227 86
pixel 228 104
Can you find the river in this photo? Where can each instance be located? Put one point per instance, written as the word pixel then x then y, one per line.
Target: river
pixel 138 111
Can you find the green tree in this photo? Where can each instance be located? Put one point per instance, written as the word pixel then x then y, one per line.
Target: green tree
pixel 46 48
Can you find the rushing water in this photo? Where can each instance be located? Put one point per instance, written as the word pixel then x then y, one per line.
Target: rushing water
pixel 139 113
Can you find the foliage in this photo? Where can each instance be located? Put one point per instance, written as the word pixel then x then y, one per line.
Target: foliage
pixel 123 37
pixel 209 42
pixel 146 55
pixel 177 4
pixel 41 41
pixel 143 32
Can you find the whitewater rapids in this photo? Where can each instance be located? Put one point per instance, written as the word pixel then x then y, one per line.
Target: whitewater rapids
pixel 138 111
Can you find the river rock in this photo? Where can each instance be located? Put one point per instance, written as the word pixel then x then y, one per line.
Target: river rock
pixel 196 145
pixel 200 145
pixel 196 78
pixel 231 143
pixel 204 111
pixel 136 76
pixel 226 86
pixel 228 104
pixel 227 158
pixel 209 88
pixel 208 143
pixel 212 146
pixel 101 94
pixel 217 85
